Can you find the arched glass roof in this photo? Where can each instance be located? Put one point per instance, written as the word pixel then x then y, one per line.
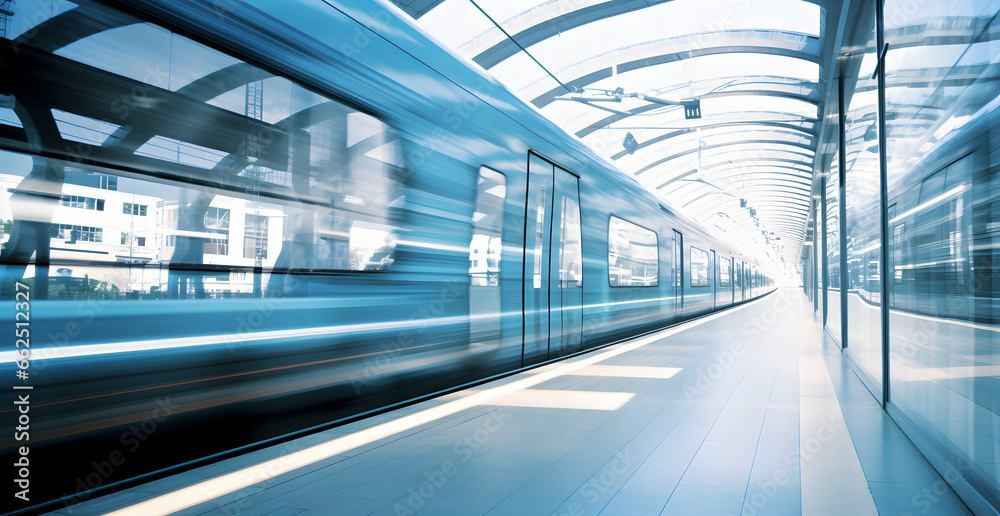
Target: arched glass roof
pixel 607 70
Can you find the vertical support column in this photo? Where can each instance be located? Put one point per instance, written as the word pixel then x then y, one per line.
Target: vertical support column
pixel 842 194
pixel 883 197
pixel 821 227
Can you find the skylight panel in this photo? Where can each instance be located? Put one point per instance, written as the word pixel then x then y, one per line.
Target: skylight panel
pixel 455 22
pixel 82 129
pixel 675 18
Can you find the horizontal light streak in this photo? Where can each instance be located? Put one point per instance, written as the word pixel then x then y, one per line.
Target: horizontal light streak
pixel 931 202
pixel 575 400
pixel 662 373
pixel 206 340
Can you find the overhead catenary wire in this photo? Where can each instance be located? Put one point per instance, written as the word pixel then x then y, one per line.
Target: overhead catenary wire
pixel 514 41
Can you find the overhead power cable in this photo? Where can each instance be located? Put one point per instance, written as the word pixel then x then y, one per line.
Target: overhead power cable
pixel 514 41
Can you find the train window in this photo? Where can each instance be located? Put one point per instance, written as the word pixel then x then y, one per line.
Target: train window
pixel 932 186
pixel 898 253
pixel 724 265
pixel 959 172
pixel 677 267
pixel 699 267
pixel 487 229
pixel 570 245
pixel 240 179
pixel 633 255
pixel 908 200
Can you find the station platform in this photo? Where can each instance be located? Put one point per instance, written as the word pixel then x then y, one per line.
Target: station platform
pixel 749 411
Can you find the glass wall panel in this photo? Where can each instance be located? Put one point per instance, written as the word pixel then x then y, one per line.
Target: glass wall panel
pixel 833 249
pixel 818 246
pixel 863 221
pixel 941 108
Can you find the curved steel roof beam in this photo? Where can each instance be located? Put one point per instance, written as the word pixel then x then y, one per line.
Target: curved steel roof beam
pixel 702 204
pixel 802 175
pixel 729 175
pixel 544 21
pixel 792 200
pixel 668 50
pixel 812 96
pixel 785 219
pixel 735 178
pixel 659 145
pixel 74 25
pixel 702 195
pixel 735 186
pixel 713 137
pixel 767 186
pixel 785 230
pixel 606 121
pixel 771 205
pixel 677 191
pixel 685 169
pixel 720 145
pixel 763 160
pixel 811 133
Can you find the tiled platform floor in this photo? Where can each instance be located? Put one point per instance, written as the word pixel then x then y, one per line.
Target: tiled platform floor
pixel 750 411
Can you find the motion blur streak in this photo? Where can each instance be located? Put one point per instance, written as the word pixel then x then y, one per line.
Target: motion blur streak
pixel 208 340
pixel 182 342
pixel 246 477
pixel 234 375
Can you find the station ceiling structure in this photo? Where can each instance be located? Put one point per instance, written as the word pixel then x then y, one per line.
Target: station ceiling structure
pixel 717 106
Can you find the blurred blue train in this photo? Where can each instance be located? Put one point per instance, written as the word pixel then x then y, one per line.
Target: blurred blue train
pixel 239 219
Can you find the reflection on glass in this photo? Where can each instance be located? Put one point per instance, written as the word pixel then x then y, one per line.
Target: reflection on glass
pixel 941 105
pixel 487 229
pixel 260 179
pixel 485 251
pixel 699 267
pixel 861 154
pixel 539 236
pixel 833 290
pixel 724 267
pixel 570 246
pixel 632 255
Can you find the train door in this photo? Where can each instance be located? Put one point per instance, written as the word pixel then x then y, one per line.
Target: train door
pixel 551 307
pixel 677 273
pixel 746 281
pixel 732 282
pixel 714 279
pixel 737 281
pixel 565 267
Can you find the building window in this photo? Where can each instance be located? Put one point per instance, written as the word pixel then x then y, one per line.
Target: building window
pixel 217 218
pixel 699 267
pixel 633 255
pixel 134 209
pixel 78 233
pixel 140 241
pixel 255 237
pixel 124 238
pixel 109 183
pixel 81 202
pixel 218 245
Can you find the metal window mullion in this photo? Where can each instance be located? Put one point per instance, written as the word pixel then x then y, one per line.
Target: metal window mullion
pixel 883 197
pixel 842 196
pixel 824 273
